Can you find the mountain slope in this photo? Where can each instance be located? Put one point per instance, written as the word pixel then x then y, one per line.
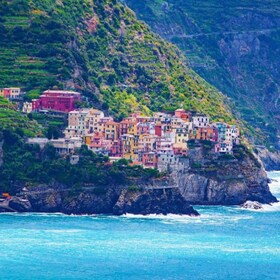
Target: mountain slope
pixel 234 45
pixel 12 119
pixel 101 49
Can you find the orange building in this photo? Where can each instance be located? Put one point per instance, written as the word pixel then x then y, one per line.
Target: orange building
pixel 205 133
pixel 150 159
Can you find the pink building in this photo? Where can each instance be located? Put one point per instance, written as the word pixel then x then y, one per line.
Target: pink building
pixel 143 128
pixel 181 113
pixel 56 100
pixel 180 149
pixel 150 159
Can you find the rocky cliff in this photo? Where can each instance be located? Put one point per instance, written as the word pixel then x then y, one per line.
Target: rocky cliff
pixel 271 160
pixel 202 178
pixel 1 152
pixel 223 181
pixel 115 201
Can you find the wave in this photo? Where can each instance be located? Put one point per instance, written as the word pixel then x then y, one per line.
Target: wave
pixel 217 218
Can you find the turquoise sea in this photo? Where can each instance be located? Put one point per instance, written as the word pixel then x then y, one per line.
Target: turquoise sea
pixel 223 243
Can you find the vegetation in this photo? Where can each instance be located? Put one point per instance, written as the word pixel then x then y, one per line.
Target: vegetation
pixel 101 49
pixel 28 165
pixel 14 120
pixel 234 46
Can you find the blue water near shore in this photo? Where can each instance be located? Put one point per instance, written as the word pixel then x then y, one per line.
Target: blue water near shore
pixel 223 243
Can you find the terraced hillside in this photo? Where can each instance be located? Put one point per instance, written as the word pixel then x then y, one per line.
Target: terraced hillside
pixel 235 45
pixel 14 120
pixel 101 49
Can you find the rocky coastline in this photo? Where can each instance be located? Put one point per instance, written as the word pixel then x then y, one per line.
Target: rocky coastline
pixel 199 179
pixel 270 160
pixel 111 201
pixel 223 181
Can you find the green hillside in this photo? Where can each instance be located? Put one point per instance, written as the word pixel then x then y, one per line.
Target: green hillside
pixel 235 45
pixel 101 49
pixel 14 120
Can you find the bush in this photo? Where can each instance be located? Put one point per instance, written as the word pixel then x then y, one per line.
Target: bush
pixel 134 189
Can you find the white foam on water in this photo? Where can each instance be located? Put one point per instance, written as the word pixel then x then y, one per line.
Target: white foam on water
pixel 63 230
pixel 205 218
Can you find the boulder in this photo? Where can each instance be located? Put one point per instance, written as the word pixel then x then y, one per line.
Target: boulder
pixel 252 205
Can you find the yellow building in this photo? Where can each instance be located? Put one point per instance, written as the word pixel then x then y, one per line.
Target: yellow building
pixel 181 136
pixel 147 142
pixel 132 128
pixel 111 130
pixel 92 119
pixel 129 147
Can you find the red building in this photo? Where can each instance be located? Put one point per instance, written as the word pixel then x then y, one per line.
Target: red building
pixel 56 100
pixel 158 129
pixel 181 113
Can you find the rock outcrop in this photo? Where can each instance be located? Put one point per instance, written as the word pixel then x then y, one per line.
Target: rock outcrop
pixel 161 201
pixel 271 160
pixel 1 152
pixel 254 205
pixel 224 181
pixel 115 201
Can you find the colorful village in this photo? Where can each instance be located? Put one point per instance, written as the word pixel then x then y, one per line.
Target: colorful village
pixel 156 141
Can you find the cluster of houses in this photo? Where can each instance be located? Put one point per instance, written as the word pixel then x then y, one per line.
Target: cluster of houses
pixel 155 142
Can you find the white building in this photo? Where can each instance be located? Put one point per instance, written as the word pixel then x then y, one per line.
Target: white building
pixel 27 107
pixel 200 121
pixel 67 146
pixel 167 161
pixel 224 147
pixel 232 134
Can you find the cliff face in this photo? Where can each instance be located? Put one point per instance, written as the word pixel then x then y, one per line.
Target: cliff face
pixel 271 160
pixel 201 179
pixel 161 201
pixel 115 201
pixel 235 46
pixel 224 181
pixel 1 152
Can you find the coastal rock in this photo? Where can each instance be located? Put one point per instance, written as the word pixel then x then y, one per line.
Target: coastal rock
pixel 90 203
pixel 157 201
pixel 225 181
pixel 252 205
pixel 1 152
pixel 19 204
pixel 116 201
pixel 271 160
pixel 46 200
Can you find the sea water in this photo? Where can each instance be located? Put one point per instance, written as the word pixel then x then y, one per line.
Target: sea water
pixel 223 243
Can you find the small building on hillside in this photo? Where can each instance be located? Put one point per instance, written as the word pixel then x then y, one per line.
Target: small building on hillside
pixel 27 107
pixel 167 161
pixel 67 146
pixel 222 129
pixel 224 148
pixel 183 114
pixel 56 100
pixel 10 93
